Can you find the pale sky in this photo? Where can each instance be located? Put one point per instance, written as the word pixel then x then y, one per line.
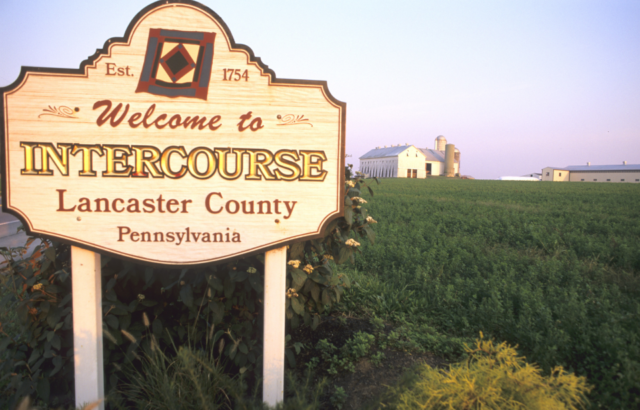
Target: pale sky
pixel 516 85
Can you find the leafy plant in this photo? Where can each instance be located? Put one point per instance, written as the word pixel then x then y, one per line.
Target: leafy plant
pixel 358 346
pixel 312 280
pixel 377 358
pixel 36 359
pixel 182 305
pixel 339 397
pixel 345 358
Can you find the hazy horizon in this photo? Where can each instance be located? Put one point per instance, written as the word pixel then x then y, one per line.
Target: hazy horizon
pixel 516 86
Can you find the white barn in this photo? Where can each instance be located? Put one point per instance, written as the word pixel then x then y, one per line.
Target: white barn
pixel 408 161
pixel 593 173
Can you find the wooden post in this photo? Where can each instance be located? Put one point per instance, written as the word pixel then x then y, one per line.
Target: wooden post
pixel 275 282
pixel 87 326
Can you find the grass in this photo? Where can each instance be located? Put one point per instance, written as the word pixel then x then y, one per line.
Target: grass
pixel 550 267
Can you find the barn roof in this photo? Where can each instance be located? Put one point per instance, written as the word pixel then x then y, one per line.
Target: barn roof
pixel 433 155
pixel 385 152
pixel 599 168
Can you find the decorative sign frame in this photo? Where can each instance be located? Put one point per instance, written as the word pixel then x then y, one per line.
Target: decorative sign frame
pixel 172 145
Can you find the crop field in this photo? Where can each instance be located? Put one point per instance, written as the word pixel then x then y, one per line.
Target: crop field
pixel 551 267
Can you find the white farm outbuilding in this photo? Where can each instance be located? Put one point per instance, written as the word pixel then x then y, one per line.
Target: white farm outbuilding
pixel 408 161
pixel 593 173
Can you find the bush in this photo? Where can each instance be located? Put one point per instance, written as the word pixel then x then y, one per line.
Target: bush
pixel 493 377
pixel 181 305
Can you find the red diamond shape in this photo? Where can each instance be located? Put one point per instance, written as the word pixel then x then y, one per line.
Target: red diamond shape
pixel 177 62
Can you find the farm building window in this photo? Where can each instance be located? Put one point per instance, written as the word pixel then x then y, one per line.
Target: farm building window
pixel 582 179
pixel 637 180
pixel 547 174
pixel 595 180
pixel 559 174
pixel 608 180
pixel 415 173
pixel 408 173
pixel 428 169
pixel 622 180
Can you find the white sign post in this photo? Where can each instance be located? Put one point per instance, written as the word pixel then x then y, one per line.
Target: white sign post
pixel 172 146
pixel 87 326
pixel 275 280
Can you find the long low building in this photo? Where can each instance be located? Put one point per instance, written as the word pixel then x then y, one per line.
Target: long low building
pixel 408 161
pixel 593 173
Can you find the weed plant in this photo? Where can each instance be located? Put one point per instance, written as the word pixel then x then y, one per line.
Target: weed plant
pixel 551 267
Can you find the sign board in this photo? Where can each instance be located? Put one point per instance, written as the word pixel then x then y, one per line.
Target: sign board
pixel 172 145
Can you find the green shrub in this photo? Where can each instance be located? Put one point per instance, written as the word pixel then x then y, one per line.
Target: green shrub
pixel 345 358
pixel 493 377
pixel 339 397
pixel 182 306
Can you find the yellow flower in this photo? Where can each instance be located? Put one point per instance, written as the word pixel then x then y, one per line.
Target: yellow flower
pixel 291 293
pixel 358 199
pixel 37 286
pixel 308 269
pixel 371 220
pixel 294 263
pixel 352 242
pixel 141 296
pixel 351 184
pixel 251 270
pixel 328 257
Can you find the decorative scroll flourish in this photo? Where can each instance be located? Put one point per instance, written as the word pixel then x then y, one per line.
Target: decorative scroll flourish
pixel 62 111
pixel 291 119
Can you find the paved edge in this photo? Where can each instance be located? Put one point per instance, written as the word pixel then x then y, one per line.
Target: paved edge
pixel 9 228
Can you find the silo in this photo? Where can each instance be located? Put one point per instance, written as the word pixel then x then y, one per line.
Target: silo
pixel 441 142
pixel 449 155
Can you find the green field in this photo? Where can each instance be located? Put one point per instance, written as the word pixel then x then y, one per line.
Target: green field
pixel 551 267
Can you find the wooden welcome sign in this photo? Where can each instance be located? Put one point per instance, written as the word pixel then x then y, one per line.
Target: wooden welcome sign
pixel 172 145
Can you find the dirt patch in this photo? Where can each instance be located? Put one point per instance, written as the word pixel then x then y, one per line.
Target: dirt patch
pixel 369 380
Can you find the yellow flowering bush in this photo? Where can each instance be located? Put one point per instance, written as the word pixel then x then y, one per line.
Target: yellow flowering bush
pixel 318 284
pixel 352 242
pixel 493 377
pixel 294 263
